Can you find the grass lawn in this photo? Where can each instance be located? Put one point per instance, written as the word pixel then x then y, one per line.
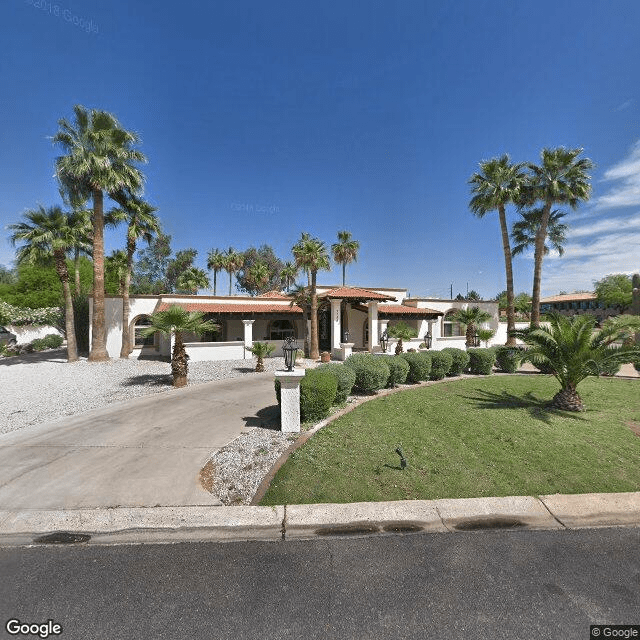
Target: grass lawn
pixel 491 436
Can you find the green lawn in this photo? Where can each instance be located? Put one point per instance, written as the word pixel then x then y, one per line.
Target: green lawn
pixel 489 436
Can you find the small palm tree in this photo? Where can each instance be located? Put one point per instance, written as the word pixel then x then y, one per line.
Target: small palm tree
pixel 485 335
pixel 176 321
pixel 261 350
pixel 216 262
pixel 402 331
pixel 572 351
pixel 471 318
pixel 345 251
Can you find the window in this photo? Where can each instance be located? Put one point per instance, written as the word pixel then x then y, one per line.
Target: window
pixel 281 329
pixel 140 324
pixel 451 328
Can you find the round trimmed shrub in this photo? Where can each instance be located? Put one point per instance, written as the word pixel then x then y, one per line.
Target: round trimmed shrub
pixel 460 360
pixel 372 372
pixel 345 378
pixel 317 393
pixel 398 370
pixel 419 366
pixel 508 359
pixel 481 361
pixel 440 365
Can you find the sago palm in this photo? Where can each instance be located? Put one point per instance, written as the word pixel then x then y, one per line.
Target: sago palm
pixel 572 350
pixel 497 184
pixel 261 350
pixel 345 251
pixel 100 157
pixel 471 318
pixel 176 321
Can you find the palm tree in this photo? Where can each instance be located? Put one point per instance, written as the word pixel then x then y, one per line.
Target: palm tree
pixel 192 279
pixel 100 158
pixel 498 184
pixel 288 274
pixel 311 254
pixel 345 251
pixel 402 331
pixel 261 350
pixel 116 265
pixel 561 178
pixel 232 263
pixel 523 232
pixel 80 222
pixel 143 224
pixel 301 297
pixel 304 237
pixel 216 263
pixel 46 234
pixel 176 321
pixel 259 276
pixel 571 350
pixel 471 318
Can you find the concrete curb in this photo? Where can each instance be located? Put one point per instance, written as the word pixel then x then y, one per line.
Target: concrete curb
pixel 200 523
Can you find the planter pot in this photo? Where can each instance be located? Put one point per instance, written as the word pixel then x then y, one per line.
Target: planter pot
pixel 325 356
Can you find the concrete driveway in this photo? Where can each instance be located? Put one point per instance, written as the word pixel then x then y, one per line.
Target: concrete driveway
pixel 145 452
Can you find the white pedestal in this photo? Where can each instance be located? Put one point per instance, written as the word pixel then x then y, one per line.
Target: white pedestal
pixel 345 350
pixel 290 399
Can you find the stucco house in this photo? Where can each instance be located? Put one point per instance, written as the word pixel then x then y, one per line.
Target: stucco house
pixel 349 318
pixel 572 304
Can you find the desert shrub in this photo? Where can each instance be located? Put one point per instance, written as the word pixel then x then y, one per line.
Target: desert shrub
pixel 53 340
pixel 481 361
pixel 38 344
pixel 345 378
pixel 419 366
pixel 317 394
pixel 440 365
pixel 508 359
pixel 460 360
pixel 372 372
pixel 398 370
pixel 636 364
pixel 610 369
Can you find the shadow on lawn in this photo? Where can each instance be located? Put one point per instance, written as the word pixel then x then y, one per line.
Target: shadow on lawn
pixel 536 408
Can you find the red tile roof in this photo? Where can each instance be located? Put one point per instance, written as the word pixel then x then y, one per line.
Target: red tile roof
pixel 223 307
pixel 354 293
pixel 401 309
pixel 569 297
pixel 274 294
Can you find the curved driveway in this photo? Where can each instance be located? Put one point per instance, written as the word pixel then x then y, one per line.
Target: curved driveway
pixel 145 452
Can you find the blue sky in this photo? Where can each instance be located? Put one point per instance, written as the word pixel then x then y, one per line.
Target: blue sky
pixel 263 120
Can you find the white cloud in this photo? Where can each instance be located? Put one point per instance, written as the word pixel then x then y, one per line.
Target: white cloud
pixel 627 173
pixel 608 225
pixel 625 105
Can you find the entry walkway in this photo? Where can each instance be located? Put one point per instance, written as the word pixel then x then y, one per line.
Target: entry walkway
pixel 143 453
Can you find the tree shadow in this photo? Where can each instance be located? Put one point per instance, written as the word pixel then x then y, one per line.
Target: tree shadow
pixel 245 369
pixel 148 380
pixel 49 355
pixel 266 418
pixel 538 409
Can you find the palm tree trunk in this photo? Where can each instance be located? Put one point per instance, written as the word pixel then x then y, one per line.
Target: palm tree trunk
pixel 230 282
pixel 344 273
pixel 127 347
pixel 98 332
pixel 76 264
pixel 314 349
pixel 511 311
pixel 215 283
pixel 469 335
pixel 568 399
pixel 541 236
pixel 179 362
pixel 69 324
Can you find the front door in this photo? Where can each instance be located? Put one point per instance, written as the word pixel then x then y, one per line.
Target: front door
pixel 324 328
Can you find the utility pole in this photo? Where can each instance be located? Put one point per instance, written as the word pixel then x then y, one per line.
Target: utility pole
pixel 451 297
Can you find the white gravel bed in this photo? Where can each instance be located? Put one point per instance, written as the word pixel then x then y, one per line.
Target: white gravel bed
pixel 42 387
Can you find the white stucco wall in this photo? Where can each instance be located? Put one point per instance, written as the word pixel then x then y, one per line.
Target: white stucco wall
pixel 28 333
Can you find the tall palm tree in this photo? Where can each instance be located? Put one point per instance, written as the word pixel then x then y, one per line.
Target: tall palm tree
pixel 46 234
pixel 193 279
pixel 301 297
pixel 561 178
pixel 311 254
pixel 80 222
pixel 99 158
pixel 304 237
pixel 471 318
pixel 345 251
pixel 523 232
pixel 116 265
pixel 288 274
pixel 216 263
pixel 571 350
pixel 259 276
pixel 232 263
pixel 496 185
pixel 176 321
pixel 142 224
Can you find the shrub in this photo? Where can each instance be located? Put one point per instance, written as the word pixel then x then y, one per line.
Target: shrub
pixel 636 364
pixel 610 369
pixel 508 359
pixel 481 361
pixel 398 370
pixel 419 366
pixel 317 394
pixel 440 365
pixel 345 378
pixel 460 360
pixel 53 340
pixel 372 372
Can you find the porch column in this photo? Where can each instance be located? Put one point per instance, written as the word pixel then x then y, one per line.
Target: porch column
pixel 336 328
pixel 382 326
pixel 248 336
pixel 372 319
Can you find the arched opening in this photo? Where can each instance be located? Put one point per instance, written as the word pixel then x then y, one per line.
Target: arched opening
pixel 139 325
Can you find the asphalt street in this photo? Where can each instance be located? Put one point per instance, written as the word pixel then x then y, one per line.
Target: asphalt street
pixel 488 584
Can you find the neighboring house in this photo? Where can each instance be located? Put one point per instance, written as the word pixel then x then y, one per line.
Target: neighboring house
pixel 346 315
pixel 572 304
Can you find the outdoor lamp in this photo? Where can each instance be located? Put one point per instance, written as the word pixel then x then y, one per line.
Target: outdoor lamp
pixel 346 336
pixel 427 340
pixel 475 341
pixel 384 341
pixel 290 350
